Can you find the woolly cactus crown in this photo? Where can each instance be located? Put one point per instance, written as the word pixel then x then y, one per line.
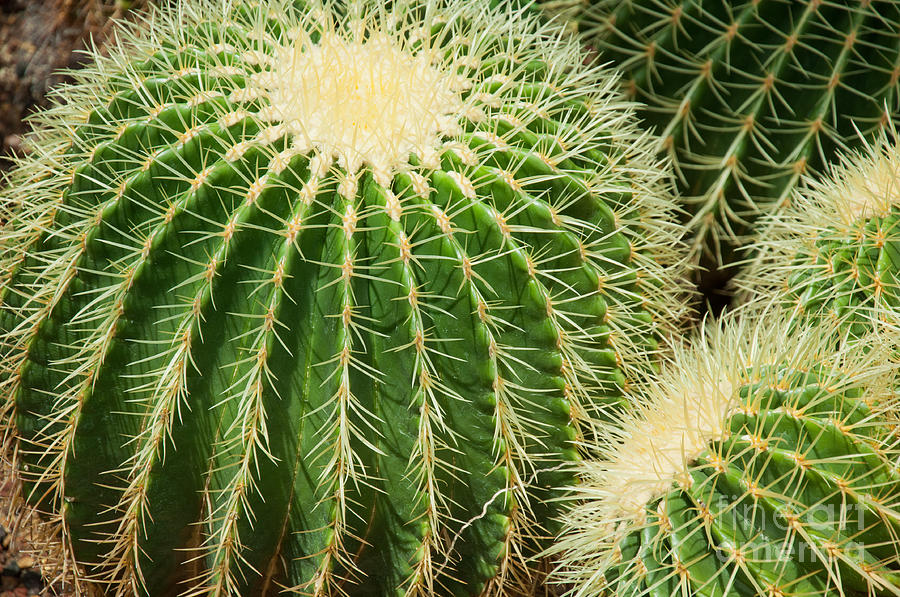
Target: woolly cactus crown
pixel 833 250
pixel 317 296
pixel 761 461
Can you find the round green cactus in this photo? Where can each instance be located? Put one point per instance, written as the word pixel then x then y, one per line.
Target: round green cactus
pixel 763 461
pixel 317 297
pixel 748 96
pixel 834 251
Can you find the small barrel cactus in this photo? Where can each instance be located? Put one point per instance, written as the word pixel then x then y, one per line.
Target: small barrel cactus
pixel 317 296
pixel 834 251
pixel 748 96
pixel 762 461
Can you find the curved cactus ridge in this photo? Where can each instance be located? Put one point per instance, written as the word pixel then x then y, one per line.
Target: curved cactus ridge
pixel 748 96
pixel 761 461
pixel 834 251
pixel 316 297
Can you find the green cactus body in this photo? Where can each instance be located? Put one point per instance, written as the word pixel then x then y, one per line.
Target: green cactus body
pixel 750 471
pixel 748 96
pixel 834 251
pixel 318 298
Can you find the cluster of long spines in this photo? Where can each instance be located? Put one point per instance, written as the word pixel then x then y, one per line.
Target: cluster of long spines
pixel 741 117
pixel 829 253
pixel 564 13
pixel 160 405
pixel 760 362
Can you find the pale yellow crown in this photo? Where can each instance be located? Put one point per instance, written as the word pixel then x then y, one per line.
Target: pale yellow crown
pixel 369 102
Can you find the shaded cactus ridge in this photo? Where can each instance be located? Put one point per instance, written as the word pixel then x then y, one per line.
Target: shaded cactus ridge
pixel 834 251
pixel 748 96
pixel 762 461
pixel 318 298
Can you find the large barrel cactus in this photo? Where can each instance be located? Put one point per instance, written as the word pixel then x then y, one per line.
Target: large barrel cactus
pixel 834 252
pixel 763 461
pixel 748 96
pixel 317 296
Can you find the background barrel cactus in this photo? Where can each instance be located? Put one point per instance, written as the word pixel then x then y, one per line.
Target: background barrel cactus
pixel 763 461
pixel 748 96
pixel 317 296
pixel 834 251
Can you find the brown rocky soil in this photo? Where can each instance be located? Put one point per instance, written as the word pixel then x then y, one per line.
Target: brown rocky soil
pixel 38 38
pixel 18 575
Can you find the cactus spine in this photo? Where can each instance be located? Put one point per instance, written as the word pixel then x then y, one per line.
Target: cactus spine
pixel 762 461
pixel 317 296
pixel 748 96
